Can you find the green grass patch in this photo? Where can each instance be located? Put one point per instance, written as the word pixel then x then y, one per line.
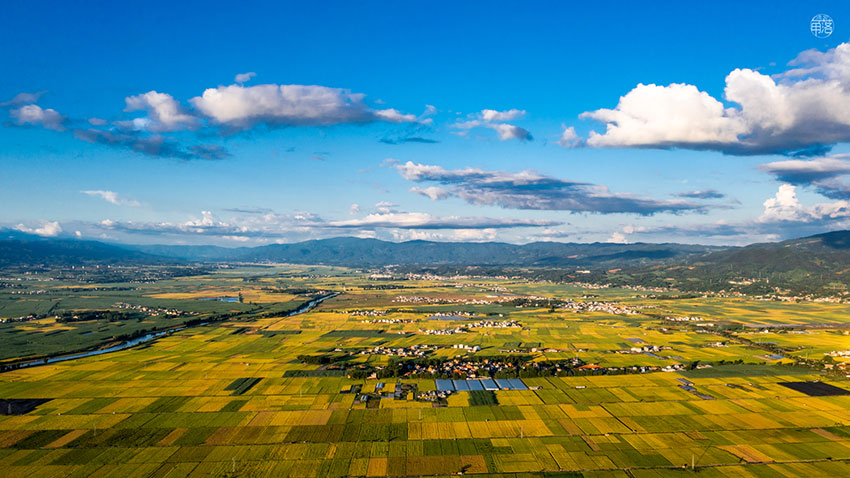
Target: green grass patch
pixel 313 373
pixel 482 397
pixel 242 385
pixel 747 370
pixel 354 333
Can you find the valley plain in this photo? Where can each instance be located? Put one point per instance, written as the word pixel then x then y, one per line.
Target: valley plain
pixel 415 375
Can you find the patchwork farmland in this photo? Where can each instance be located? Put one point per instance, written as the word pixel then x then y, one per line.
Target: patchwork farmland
pixel 523 379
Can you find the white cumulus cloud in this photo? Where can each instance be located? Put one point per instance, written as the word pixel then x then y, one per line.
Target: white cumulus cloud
pixel 496 116
pixel 164 112
pixel 801 111
pixel 289 105
pixel 569 138
pixel 46 229
pixel 496 120
pixel 785 207
pixel 617 238
pixel 509 131
pixel 37 116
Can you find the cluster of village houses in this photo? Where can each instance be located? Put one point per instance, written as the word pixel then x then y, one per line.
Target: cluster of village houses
pixel 490 299
pixel 534 350
pixel 643 349
pixel 456 330
pixel 369 313
pixel 415 299
pixel 799 298
pixel 387 321
pixel 490 287
pixel 449 315
pixel 699 321
pixel 482 324
pixel 689 318
pixel 24 318
pixel 472 325
pixel 154 310
pixel 374 313
pixel 412 351
pixel 638 368
pixel 606 307
pixel 459 366
pixel 433 395
pixel 468 348
pixel 574 306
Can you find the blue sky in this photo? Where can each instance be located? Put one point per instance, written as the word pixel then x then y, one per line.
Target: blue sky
pixel 500 121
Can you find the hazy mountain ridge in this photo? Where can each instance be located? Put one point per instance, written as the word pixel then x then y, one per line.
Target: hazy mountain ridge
pixel 349 251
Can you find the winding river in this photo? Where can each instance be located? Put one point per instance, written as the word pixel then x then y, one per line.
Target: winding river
pixel 153 336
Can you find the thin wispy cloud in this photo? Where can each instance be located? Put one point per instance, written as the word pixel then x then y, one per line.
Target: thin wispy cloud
pixel 417 132
pixel 408 139
pixel 257 210
pixel 701 194
pixel 112 197
pixel 155 145
pixel 532 190
pixel 23 99
pixel 821 174
pixel 415 220
pixel 271 225
pixel 244 77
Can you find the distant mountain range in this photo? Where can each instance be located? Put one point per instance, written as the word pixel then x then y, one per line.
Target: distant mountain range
pixel 816 261
pixel 19 249
pixel 350 251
